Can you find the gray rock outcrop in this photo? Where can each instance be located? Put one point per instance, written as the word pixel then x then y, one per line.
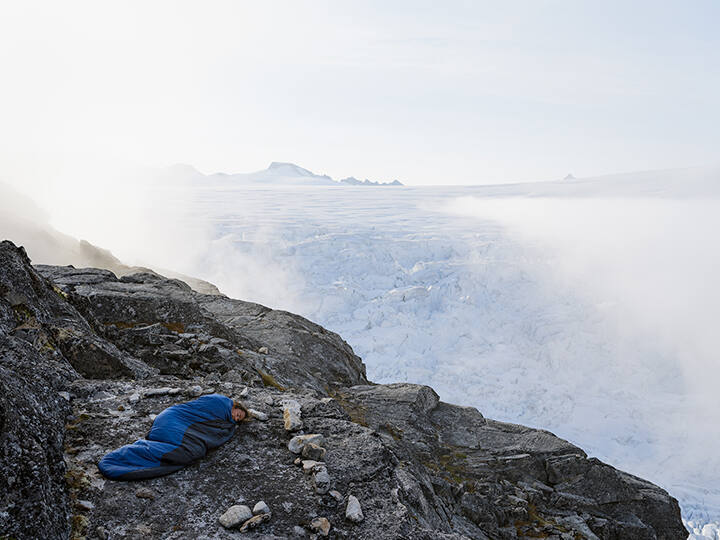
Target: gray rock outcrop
pixel 83 355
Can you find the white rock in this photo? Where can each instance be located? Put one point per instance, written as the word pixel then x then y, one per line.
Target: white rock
pixel 259 415
pixel 235 515
pixel 244 392
pixel 134 398
pixel 291 415
pixel 268 400
pixel 195 391
pixel 261 508
pixel 354 512
pixel 336 495
pixel 85 505
pixel 152 392
pixel 296 443
pixel 263 350
pixel 64 395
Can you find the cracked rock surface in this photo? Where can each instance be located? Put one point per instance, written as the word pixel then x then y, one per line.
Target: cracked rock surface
pixel 87 360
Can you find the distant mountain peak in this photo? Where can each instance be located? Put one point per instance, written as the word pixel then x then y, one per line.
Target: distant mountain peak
pixel 289 169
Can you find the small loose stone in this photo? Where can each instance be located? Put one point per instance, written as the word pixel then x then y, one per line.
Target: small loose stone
pixel 298 461
pixel 259 415
pixel 261 508
pixel 354 512
pixel 313 451
pixel 298 531
pixel 263 350
pixel 195 391
pixel 244 392
pixel 64 395
pixel 320 525
pixel 296 443
pixel 144 493
pixel 291 415
pixel 321 481
pixel 134 398
pixel 254 522
pixel 336 495
pixel 308 465
pixel 235 515
pixel 85 505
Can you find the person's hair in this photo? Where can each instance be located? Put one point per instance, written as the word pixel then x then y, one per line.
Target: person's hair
pixel 237 404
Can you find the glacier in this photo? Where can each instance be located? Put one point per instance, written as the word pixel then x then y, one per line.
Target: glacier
pixel 584 307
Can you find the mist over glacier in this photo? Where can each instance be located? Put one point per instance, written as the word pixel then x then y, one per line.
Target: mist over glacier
pixel 584 307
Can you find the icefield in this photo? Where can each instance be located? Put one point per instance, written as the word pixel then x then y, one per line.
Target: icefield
pixel 586 307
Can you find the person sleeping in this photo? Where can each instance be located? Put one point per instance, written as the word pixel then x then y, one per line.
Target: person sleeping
pixel 180 435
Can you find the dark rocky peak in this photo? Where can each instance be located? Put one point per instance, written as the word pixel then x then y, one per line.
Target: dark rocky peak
pixel 87 360
pixel 351 180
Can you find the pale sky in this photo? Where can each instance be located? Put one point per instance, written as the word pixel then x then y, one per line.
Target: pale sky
pixel 426 92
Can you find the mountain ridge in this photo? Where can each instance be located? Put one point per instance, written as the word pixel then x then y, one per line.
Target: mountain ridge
pixel 277 173
pixel 87 359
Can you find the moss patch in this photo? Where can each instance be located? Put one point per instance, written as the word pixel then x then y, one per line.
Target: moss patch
pixel 356 412
pixel 452 466
pixel 60 292
pixel 79 526
pixel 269 380
pixel 529 529
pixel 22 314
pixel 177 327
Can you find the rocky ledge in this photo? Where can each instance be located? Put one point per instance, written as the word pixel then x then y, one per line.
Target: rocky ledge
pixel 87 360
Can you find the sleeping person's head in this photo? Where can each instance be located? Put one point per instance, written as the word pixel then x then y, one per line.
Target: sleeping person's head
pixel 240 412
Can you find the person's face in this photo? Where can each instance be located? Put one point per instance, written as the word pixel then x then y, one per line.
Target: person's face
pixel 238 414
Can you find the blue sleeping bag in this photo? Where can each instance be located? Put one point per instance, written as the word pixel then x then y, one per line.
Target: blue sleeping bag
pixel 179 435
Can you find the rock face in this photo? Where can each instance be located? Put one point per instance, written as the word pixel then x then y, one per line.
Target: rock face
pixel 409 465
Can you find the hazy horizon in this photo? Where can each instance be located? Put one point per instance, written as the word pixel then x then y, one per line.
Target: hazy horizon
pixel 458 93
